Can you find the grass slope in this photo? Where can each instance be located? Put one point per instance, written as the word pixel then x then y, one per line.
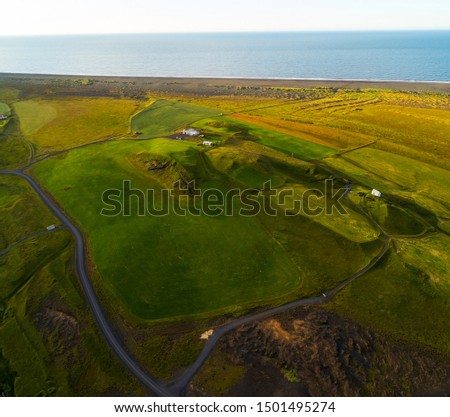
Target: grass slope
pixel 401 298
pixel 274 139
pixel 4 109
pixel 14 152
pixel 397 176
pixel 163 117
pixel 208 263
pixel 48 342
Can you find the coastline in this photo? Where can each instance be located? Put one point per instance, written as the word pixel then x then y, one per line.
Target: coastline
pixel 193 82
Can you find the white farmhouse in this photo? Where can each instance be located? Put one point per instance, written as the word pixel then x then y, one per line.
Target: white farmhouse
pixel 376 193
pixel 190 132
pixel 207 143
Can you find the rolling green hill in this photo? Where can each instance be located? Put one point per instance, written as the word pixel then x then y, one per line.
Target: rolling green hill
pixel 163 117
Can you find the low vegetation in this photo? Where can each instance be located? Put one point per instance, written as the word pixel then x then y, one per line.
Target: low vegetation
pixel 14 151
pixel 164 117
pixel 49 344
pixel 218 375
pixel 165 287
pixel 160 271
pixel 274 139
pixel 399 297
pixel 53 124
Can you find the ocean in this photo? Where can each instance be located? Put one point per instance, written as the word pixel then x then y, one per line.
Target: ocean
pixel 411 56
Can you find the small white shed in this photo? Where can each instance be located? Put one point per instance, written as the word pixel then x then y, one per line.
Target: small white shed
pixel 376 193
pixel 207 143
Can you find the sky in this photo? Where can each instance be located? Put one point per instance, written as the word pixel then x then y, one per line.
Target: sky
pixel 43 17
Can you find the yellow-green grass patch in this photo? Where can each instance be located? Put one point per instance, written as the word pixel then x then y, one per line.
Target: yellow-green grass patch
pixel 352 225
pixel 34 114
pixel 63 123
pixel 323 135
pixel 414 175
pixel 250 169
pixel 412 127
pixel 430 255
pixel 290 145
pixel 8 94
pixel 397 298
pixel 18 207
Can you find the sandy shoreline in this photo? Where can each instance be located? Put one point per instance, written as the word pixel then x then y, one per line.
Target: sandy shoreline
pixel 191 83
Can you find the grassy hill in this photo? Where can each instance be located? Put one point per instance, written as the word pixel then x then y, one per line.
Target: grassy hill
pixel 163 117
pixel 198 250
pixel 4 109
pixel 291 145
pixel 240 258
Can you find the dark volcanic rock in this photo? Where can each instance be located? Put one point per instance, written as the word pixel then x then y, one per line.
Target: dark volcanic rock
pixel 325 355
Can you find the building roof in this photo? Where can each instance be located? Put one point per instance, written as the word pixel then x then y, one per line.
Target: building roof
pixel 191 131
pixel 376 193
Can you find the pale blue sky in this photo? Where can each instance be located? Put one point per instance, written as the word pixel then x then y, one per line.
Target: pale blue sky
pixel 137 16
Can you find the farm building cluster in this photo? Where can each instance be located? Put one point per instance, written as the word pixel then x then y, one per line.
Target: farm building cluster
pixel 190 132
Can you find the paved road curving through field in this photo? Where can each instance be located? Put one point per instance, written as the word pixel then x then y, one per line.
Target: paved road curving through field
pixel 179 386
pixel 81 267
pixel 25 239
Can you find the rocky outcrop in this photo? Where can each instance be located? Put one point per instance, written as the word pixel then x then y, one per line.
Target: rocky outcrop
pixel 315 352
pixel 59 330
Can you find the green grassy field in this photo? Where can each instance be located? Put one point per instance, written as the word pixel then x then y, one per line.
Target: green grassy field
pixel 17 220
pixel 48 342
pixel 55 124
pixel 231 128
pixel 4 109
pixel 14 152
pixel 196 265
pixel 174 270
pixel 322 135
pixel 405 296
pixel 398 122
pixel 182 282
pixel 241 159
pixel 422 184
pixel 164 117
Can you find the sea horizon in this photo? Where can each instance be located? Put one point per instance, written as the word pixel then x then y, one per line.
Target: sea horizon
pixel 371 56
